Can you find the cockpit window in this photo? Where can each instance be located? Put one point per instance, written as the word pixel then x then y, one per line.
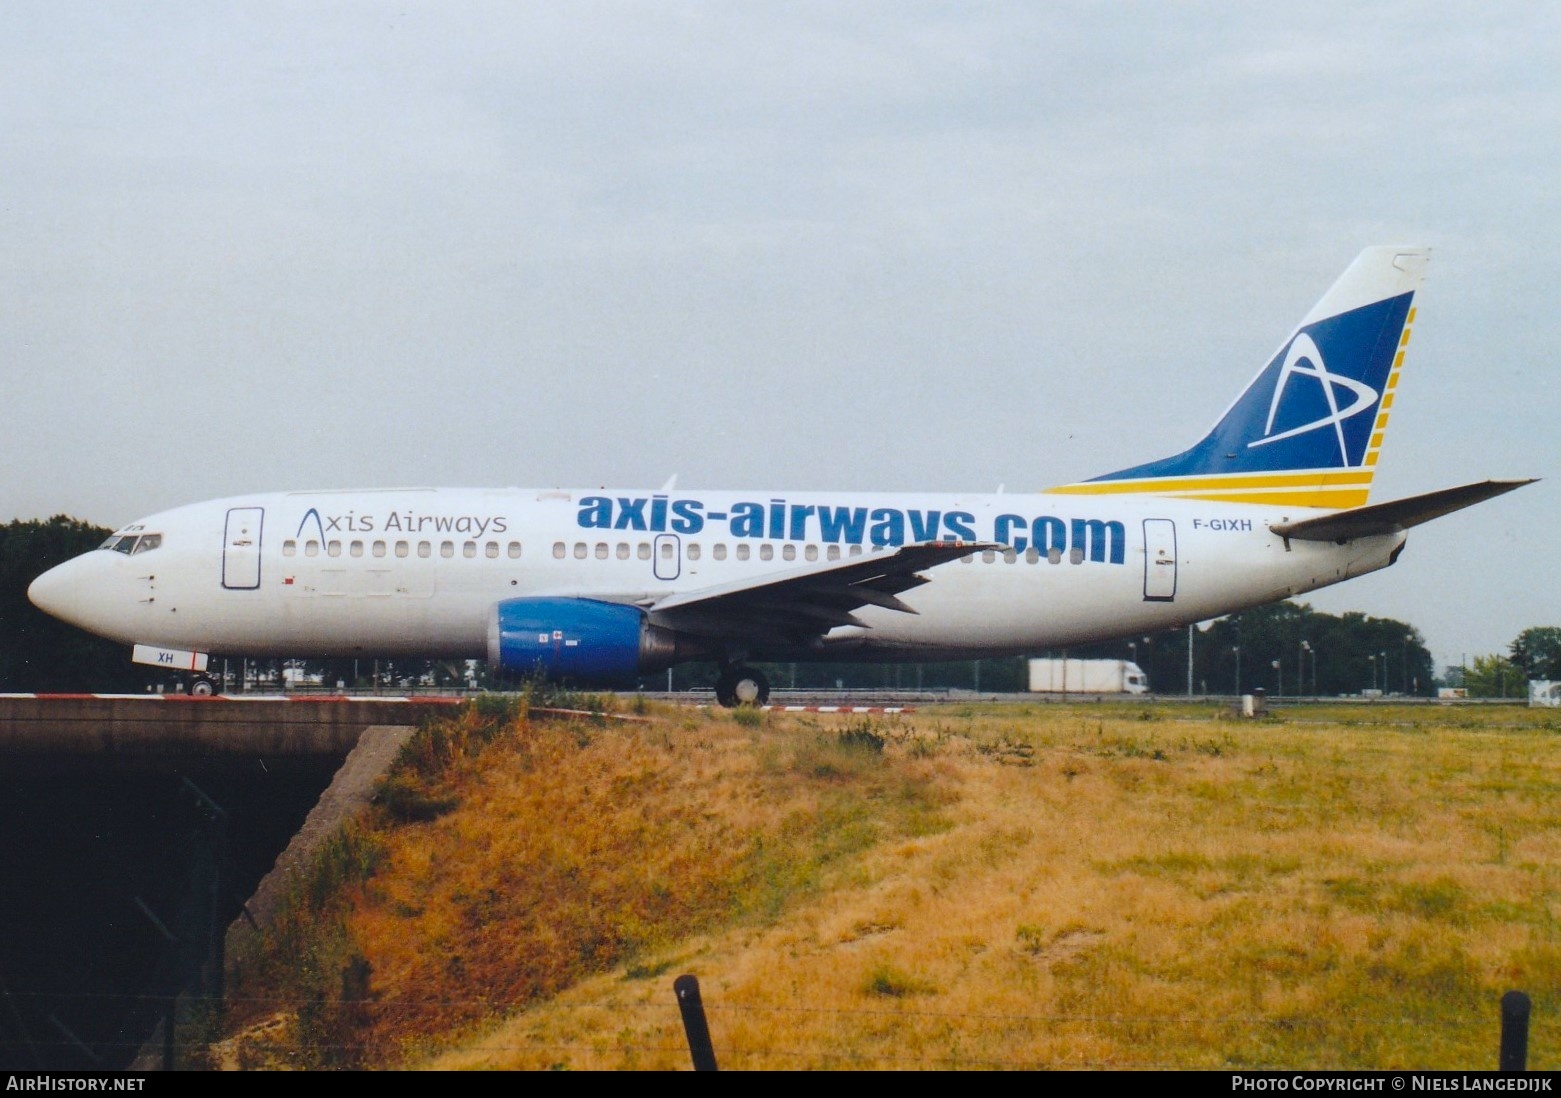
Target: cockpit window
pixel 129 544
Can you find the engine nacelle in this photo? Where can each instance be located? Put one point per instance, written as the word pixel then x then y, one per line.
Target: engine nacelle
pixel 579 639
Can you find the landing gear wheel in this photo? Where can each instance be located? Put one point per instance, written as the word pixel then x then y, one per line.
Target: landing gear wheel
pixel 742 686
pixel 202 687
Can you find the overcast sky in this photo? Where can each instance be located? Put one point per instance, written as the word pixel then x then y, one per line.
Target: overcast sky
pixel 895 246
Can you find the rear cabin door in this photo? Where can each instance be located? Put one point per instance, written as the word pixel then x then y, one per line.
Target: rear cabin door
pixel 1159 560
pixel 241 548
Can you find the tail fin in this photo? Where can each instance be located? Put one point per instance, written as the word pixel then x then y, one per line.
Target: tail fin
pixel 1308 429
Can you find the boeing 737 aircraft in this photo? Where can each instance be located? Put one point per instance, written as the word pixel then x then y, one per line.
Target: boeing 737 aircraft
pixel 603 585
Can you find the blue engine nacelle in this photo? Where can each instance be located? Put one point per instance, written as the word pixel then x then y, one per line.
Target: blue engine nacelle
pixel 579 639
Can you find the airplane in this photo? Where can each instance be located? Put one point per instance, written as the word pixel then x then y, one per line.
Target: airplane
pixel 603 585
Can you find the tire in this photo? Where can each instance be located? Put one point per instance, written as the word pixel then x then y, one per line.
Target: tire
pixel 742 686
pixel 202 687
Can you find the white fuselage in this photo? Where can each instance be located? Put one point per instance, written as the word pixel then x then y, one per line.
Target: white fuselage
pixel 419 572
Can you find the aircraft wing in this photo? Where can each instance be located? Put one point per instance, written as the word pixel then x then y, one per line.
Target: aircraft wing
pixel 798 605
pixel 1390 518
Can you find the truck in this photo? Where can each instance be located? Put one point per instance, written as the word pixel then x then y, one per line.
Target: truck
pixel 1065 676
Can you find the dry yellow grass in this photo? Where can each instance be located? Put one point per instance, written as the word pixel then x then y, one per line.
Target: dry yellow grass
pixel 1007 886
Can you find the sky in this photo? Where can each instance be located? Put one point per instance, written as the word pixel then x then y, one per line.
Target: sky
pixel 782 246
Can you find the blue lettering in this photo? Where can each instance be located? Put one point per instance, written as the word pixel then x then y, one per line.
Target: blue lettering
pixel 1050 535
pixel 777 518
pixel 961 525
pixel 658 513
pixel 689 520
pixel 747 520
pixel 1002 531
pixel 631 514
pixel 1099 539
pixel 888 526
pixel 846 524
pixel 924 526
pixel 595 514
pixel 799 520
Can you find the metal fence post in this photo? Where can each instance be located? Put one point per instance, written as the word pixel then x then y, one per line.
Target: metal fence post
pixel 694 1025
pixel 1514 1031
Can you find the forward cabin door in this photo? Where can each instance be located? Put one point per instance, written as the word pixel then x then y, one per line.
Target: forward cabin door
pixel 1159 560
pixel 241 548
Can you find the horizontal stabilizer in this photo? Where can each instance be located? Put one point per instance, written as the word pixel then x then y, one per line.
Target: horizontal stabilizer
pixel 1400 514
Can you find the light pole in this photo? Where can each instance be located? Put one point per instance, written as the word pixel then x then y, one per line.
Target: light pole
pixel 1279 679
pixel 1236 648
pixel 1382 662
pixel 1300 669
pixel 1189 659
pixel 1373 660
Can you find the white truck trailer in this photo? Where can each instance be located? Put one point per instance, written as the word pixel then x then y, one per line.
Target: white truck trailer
pixel 1087 677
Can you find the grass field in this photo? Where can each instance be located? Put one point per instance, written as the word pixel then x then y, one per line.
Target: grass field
pixel 1118 885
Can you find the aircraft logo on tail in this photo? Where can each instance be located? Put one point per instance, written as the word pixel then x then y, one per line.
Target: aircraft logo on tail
pixel 1306 359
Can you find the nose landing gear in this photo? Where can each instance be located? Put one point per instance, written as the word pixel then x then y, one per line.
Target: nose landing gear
pixel 739 685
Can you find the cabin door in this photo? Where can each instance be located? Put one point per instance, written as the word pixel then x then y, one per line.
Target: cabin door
pixel 668 549
pixel 1159 560
pixel 241 548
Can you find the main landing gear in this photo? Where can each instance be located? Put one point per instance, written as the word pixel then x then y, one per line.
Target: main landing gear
pixel 739 685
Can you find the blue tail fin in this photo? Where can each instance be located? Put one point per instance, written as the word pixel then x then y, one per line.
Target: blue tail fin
pixel 1308 429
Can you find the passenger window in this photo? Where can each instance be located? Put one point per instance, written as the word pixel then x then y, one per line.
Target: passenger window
pixel 1009 556
pixel 742 552
pixel 514 550
pixel 766 552
pixel 289 548
pixel 833 553
pixel 718 551
pixel 1076 555
pixel 311 548
pixel 811 552
pixel 469 550
pixel 333 549
pixel 447 549
pixel 788 552
pixel 601 550
pixel 644 550
pixel 425 549
pixel 693 552
pixel 623 550
pixel 558 550
pixel 379 548
pixel 580 550
pixel 856 551
pixel 356 549
pixel 402 548
pixel 1032 555
pixel 492 549
pixel 1054 555
pixel 988 556
pixel 666 550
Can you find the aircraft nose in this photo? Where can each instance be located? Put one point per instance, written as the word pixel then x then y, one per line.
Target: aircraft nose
pixel 64 591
